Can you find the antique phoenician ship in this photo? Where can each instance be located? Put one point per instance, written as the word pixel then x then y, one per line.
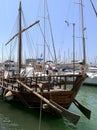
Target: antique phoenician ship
pixel 53 93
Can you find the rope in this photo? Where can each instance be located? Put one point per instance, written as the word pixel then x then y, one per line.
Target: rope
pixel 45 41
pixel 40 116
pixel 29 40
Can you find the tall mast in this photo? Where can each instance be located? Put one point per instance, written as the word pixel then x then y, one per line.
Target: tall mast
pixel 19 34
pixel 44 37
pixel 55 58
pixel 83 37
pixel 20 39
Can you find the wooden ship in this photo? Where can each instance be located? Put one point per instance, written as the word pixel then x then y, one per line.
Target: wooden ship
pixel 53 93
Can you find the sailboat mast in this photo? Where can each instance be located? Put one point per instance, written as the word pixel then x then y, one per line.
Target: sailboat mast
pixel 83 37
pixel 55 58
pixel 20 39
pixel 44 51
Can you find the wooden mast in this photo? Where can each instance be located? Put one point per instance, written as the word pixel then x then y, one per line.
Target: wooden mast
pixel 20 39
pixel 19 34
pixel 83 37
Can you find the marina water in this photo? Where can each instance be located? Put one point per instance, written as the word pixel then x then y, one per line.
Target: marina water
pixel 13 117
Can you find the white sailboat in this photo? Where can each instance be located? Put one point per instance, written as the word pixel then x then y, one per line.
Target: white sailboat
pixel 91 70
pixel 92 76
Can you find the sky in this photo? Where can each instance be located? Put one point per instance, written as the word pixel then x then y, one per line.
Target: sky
pixel 58 11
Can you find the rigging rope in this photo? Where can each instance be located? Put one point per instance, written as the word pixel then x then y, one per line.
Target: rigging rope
pixel 40 116
pixel 46 42
pixel 29 39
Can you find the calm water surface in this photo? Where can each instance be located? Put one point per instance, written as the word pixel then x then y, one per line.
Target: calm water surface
pixel 15 118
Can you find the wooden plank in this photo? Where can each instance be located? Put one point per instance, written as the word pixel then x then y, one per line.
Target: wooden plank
pixel 72 117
